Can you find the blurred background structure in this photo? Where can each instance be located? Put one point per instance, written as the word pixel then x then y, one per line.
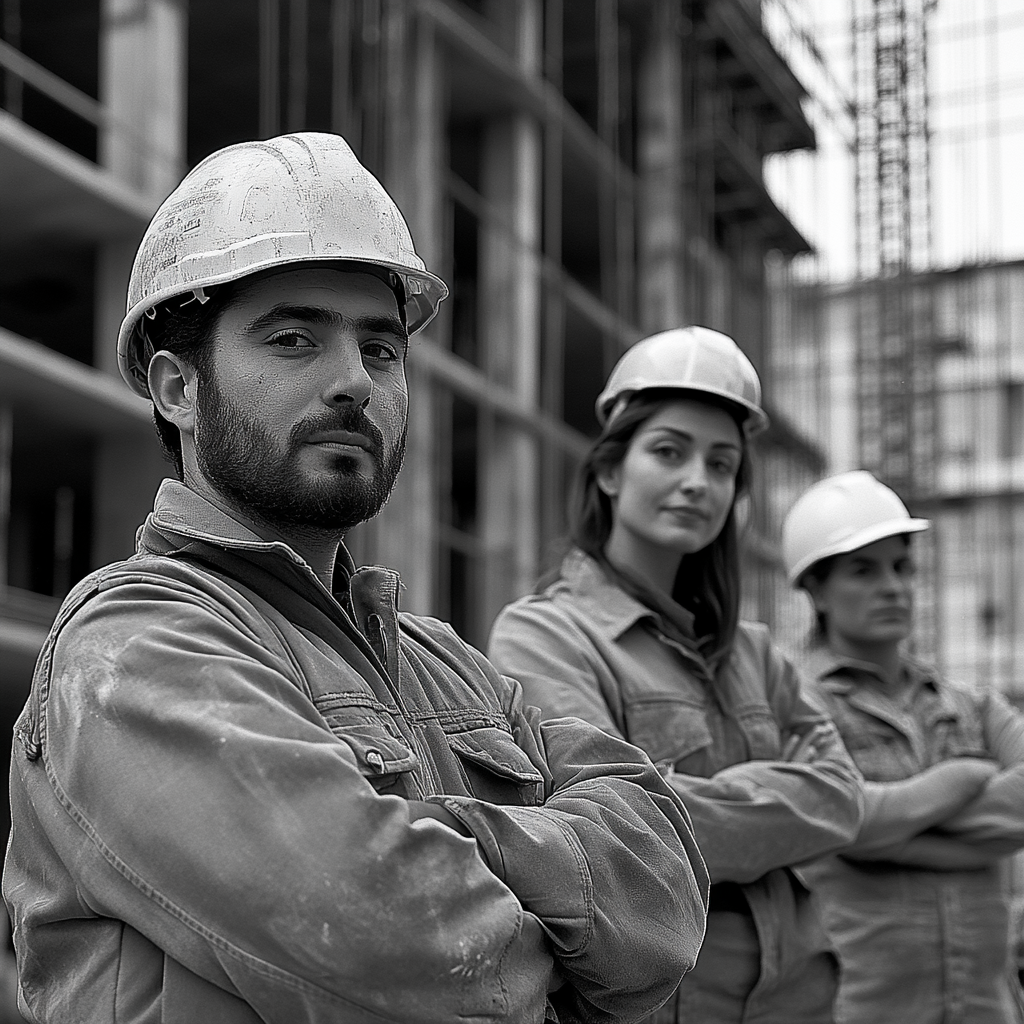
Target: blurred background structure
pixel 899 344
pixel 582 173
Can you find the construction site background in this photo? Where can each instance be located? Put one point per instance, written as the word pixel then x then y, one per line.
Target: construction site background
pixel 581 173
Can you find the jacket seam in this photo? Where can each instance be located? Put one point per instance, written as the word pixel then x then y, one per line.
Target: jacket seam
pixel 586 880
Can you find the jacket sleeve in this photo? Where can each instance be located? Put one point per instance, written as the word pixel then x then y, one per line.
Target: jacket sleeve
pixel 895 812
pixel 748 818
pixel 608 864
pixel 758 815
pixel 996 816
pixel 201 801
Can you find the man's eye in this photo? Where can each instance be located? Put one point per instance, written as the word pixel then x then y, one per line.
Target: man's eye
pixel 291 339
pixel 380 350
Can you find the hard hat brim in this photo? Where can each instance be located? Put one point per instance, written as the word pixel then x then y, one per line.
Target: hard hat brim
pixel 132 370
pixel 754 418
pixel 859 539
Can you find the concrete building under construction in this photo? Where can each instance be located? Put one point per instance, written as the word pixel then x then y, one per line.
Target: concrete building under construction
pixel 581 172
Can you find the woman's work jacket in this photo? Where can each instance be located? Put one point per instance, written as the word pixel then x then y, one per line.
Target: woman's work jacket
pixel 921 946
pixel 585 647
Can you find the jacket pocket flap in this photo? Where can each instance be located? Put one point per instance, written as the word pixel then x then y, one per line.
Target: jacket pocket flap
pixel 379 752
pixel 497 752
pixel 377 749
pixel 667 729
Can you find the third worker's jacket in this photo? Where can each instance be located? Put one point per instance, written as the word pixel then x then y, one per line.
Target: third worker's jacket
pixel 922 946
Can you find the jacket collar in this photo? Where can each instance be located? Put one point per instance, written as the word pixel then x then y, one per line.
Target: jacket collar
pixel 180 516
pixel 861 683
pixel 605 603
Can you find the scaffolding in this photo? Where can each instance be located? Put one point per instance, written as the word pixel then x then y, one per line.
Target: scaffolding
pixel 895 364
pixel 893 238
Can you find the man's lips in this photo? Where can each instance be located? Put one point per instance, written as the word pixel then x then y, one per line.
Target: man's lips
pixel 341 439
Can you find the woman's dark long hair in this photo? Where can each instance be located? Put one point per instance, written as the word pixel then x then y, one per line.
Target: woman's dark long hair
pixel 708 581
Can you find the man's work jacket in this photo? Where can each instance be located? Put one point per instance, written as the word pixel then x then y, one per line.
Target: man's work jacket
pixel 919 945
pixel 210 820
pixel 585 647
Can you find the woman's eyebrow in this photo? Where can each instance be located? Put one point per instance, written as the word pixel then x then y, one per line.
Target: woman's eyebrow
pixel 686 436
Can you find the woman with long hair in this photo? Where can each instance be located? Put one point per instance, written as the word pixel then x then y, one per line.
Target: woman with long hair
pixel 917 907
pixel 640 634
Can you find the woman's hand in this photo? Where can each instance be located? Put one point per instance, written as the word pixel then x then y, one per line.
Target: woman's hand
pixel 806 749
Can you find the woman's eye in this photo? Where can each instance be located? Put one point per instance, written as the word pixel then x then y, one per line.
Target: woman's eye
pixel 666 451
pixel 291 340
pixel 723 466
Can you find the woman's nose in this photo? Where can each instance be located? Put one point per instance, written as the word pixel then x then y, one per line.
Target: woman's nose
pixel 695 477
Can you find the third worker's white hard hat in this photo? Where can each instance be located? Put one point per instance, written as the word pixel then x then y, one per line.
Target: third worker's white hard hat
pixel 839 515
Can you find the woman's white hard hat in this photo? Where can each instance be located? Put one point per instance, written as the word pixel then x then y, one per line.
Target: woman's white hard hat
pixel 839 515
pixel 258 206
pixel 690 358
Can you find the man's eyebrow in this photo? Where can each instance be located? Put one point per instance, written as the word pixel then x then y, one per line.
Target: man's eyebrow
pixel 324 316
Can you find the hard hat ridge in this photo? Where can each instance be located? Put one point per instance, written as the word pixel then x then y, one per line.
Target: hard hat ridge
pixel 690 359
pixel 257 206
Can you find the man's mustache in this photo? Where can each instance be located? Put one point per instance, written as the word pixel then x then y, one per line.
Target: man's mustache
pixel 350 419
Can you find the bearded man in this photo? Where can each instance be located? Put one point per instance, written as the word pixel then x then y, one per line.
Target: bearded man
pixel 244 788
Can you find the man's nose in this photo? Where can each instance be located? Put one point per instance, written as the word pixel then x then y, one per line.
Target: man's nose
pixel 892 581
pixel 348 381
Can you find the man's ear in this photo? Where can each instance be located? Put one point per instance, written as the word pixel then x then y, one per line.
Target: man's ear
pixel 608 481
pixel 172 386
pixel 813 587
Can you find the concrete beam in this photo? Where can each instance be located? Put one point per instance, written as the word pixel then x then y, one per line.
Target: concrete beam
pixel 68 392
pixel 51 193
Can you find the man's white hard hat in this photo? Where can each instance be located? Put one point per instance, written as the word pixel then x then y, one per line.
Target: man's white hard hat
pixel 839 515
pixel 691 358
pixel 256 206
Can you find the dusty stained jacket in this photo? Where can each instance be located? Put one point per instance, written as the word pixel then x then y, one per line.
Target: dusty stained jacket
pixel 585 647
pixel 918 945
pixel 210 823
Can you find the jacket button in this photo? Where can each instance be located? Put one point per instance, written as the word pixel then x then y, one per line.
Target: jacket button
pixel 375 760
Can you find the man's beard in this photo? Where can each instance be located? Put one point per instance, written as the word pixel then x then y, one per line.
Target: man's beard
pixel 240 458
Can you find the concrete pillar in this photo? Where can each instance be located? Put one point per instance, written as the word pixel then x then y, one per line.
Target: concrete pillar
pixel 143 72
pixel 510 323
pixel 404 536
pixel 661 231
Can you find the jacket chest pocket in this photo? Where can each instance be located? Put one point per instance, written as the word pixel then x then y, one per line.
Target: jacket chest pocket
pixel 382 755
pixel 880 751
pixel 957 737
pixel 760 732
pixel 666 728
pixel 495 768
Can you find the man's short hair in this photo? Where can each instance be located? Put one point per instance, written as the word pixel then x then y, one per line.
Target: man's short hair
pixel 184 327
